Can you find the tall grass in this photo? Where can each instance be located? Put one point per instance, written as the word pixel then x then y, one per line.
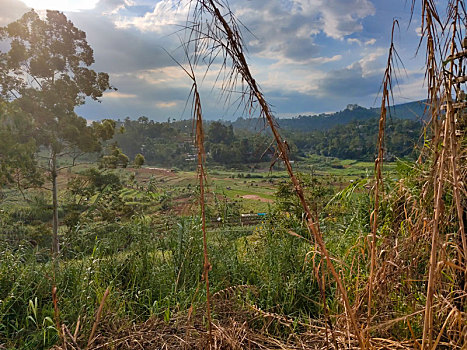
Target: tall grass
pixel 149 274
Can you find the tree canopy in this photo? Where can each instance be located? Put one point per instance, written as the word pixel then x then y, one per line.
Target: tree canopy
pixel 17 149
pixel 47 63
pixel 45 71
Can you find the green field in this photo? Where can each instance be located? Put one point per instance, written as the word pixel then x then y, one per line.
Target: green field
pixel 255 190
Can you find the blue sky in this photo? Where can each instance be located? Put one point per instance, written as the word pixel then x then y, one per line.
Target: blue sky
pixel 309 56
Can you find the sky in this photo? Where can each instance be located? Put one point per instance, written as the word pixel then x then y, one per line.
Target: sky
pixel 308 56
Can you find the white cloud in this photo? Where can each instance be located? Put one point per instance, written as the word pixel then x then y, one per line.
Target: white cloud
pixel 118 95
pixel 354 41
pixel 61 5
pixel 359 42
pixel 371 63
pixel 166 13
pixel 117 7
pixel 288 29
pixel 166 104
pixel 165 75
pixel 340 18
pixel 282 29
pixel 290 79
pixel 410 90
pixel 306 54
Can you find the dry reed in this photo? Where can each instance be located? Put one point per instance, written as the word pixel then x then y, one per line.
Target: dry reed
pixel 385 105
pixel 222 38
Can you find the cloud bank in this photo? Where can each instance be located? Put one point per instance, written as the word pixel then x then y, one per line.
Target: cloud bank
pixel 307 55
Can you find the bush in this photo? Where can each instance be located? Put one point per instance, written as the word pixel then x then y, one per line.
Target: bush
pixel 138 161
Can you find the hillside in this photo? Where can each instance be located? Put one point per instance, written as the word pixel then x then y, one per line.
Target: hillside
pixel 303 123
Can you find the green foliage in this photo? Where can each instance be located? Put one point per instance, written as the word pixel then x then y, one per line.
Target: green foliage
pixel 18 164
pixel 26 223
pixel 151 271
pixel 114 159
pixel 123 231
pixel 84 193
pixel 316 193
pixel 45 71
pixel 357 139
pixel 56 55
pixel 104 129
pixel 170 144
pixel 159 143
pixel 278 266
pixel 220 133
pixel 138 161
pixel 307 123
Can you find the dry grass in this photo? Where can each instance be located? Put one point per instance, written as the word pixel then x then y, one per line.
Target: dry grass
pixel 221 37
pixel 385 105
pixel 238 325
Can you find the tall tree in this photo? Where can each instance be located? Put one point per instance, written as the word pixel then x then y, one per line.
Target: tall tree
pixel 45 70
pixel 18 165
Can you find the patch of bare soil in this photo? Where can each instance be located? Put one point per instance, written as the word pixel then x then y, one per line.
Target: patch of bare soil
pixel 256 197
pixel 155 171
pixel 184 206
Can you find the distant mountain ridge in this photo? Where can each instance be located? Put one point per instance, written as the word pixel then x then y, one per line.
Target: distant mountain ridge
pixel 411 110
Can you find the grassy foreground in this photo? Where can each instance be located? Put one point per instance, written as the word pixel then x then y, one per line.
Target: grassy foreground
pixel 143 241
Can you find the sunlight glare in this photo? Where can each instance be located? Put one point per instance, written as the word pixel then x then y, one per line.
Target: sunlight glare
pixel 61 5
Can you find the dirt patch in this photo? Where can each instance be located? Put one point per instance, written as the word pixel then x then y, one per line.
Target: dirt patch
pixel 258 198
pixel 156 171
pixel 184 206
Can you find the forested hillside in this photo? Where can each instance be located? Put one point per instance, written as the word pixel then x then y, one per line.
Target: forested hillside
pixel 350 134
pixel 417 111
pixel 357 139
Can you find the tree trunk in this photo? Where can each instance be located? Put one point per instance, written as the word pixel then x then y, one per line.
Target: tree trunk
pixel 55 244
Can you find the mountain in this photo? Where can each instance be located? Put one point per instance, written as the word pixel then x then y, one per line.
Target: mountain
pixel 412 111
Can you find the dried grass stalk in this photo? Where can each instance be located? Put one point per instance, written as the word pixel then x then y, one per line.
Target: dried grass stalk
pixel 447 142
pixel 57 313
pixel 98 317
pixel 222 38
pixel 199 138
pixel 385 105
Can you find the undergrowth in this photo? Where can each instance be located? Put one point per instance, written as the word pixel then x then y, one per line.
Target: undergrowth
pixel 154 270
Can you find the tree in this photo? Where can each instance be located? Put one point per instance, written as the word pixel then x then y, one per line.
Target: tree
pixel 45 70
pixel 18 165
pixel 220 133
pixel 114 159
pixel 138 161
